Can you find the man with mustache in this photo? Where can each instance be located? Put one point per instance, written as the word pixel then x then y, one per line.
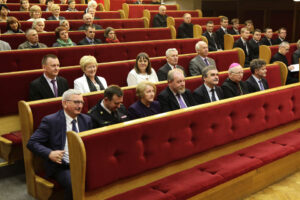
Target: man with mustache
pixel 48 85
pixel 175 96
pixel 209 91
pixel 49 141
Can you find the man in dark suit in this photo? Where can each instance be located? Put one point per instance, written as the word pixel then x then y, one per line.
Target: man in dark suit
pixel 55 9
pixel 49 141
pixel 48 85
pixel 198 63
pixel 233 85
pixel 254 44
pixel 267 40
pixel 88 21
pixel 222 31
pixel 242 43
pixel 281 36
pixel 211 37
pixel 160 19
pixel 257 81
pixel 172 61
pixel 90 37
pixel 296 54
pixel 175 96
pixel 185 30
pixel 110 109
pixel 209 91
pixel 283 49
pixel 138 2
pixel 235 27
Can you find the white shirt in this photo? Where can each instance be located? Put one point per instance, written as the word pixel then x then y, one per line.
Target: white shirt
pixel 210 93
pixel 50 83
pixel 175 94
pixel 134 78
pixel 68 128
pixel 32 19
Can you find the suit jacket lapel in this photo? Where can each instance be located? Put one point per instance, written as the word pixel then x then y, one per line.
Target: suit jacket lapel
pixel 173 98
pixel 255 83
pixel 62 123
pixel 205 94
pixel 45 87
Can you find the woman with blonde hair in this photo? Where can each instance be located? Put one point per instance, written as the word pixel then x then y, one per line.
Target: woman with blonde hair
pixel 35 13
pixel 146 105
pixel 89 82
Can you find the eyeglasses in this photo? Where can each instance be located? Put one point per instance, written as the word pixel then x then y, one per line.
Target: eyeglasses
pixel 76 102
pixel 239 73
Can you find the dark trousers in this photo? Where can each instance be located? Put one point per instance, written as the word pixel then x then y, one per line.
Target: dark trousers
pixel 63 177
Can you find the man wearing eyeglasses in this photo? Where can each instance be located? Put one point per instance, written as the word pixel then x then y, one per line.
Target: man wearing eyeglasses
pixel 49 141
pixel 233 85
pixel 90 37
pixel 48 85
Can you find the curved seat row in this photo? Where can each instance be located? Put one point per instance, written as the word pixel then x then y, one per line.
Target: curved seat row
pixel 75 24
pixel 63 7
pixel 31 114
pixel 23 15
pixel 124 35
pixel 266 52
pixel 37 1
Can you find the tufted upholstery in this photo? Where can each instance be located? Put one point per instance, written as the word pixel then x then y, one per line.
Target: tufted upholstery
pixel 16 6
pixel 75 24
pixel 23 15
pixel 124 35
pixel 130 150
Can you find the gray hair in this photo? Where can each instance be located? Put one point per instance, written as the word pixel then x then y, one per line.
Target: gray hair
pixel 283 44
pixel 29 31
pixel 92 3
pixel 61 22
pixel 207 69
pixel 169 51
pixel 197 46
pixel 172 72
pixel 35 22
pixel 161 7
pixel 67 94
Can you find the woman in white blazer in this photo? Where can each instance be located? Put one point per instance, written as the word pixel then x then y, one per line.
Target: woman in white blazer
pixel 89 82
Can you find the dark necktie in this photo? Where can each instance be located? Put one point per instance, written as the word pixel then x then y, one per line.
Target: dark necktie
pixel 181 103
pixel 270 42
pixel 213 96
pixel 92 42
pixel 240 88
pixel 246 47
pixel 261 85
pixel 54 87
pixel 206 61
pixel 74 128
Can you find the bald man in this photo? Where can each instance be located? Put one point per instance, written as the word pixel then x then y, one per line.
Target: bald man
pixel 185 30
pixel 160 19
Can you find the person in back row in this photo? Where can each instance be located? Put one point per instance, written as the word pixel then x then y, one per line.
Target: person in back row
pixel 222 31
pixel 185 30
pixel 281 36
pixel 32 40
pixel 160 19
pixel 63 39
pixel 146 105
pixel 267 40
pixel 242 43
pixel 235 27
pixel 89 39
pixel 110 109
pixel 257 81
pixel 172 61
pixel 233 85
pixel 211 37
pixel 88 21
pixel 13 26
pixel 254 43
pixel 175 96
pixel 198 63
pixel 48 85
pixel 55 9
pixel 89 82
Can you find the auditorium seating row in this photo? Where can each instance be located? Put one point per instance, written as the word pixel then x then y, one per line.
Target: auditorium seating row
pixel 17 60
pixel 136 10
pixel 175 138
pixel 63 7
pixel 124 35
pixel 149 14
pixel 23 15
pixel 266 52
pixel 37 1
pixel 19 91
pixel 75 24
pixel 230 39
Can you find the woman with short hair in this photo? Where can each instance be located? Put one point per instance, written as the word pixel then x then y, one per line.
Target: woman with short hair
pixel 63 39
pixel 39 25
pixel 89 82
pixel 24 5
pixel 35 13
pixel 145 106
pixel 142 71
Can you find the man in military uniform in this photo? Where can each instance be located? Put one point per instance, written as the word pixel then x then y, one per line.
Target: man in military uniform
pixel 110 109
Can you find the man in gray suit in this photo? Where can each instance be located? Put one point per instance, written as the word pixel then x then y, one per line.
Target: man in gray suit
pixel 198 63
pixel 32 40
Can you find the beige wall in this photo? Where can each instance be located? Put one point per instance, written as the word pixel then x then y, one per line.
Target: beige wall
pixel 186 4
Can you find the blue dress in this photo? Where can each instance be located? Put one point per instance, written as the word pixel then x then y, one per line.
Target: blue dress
pixel 139 110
